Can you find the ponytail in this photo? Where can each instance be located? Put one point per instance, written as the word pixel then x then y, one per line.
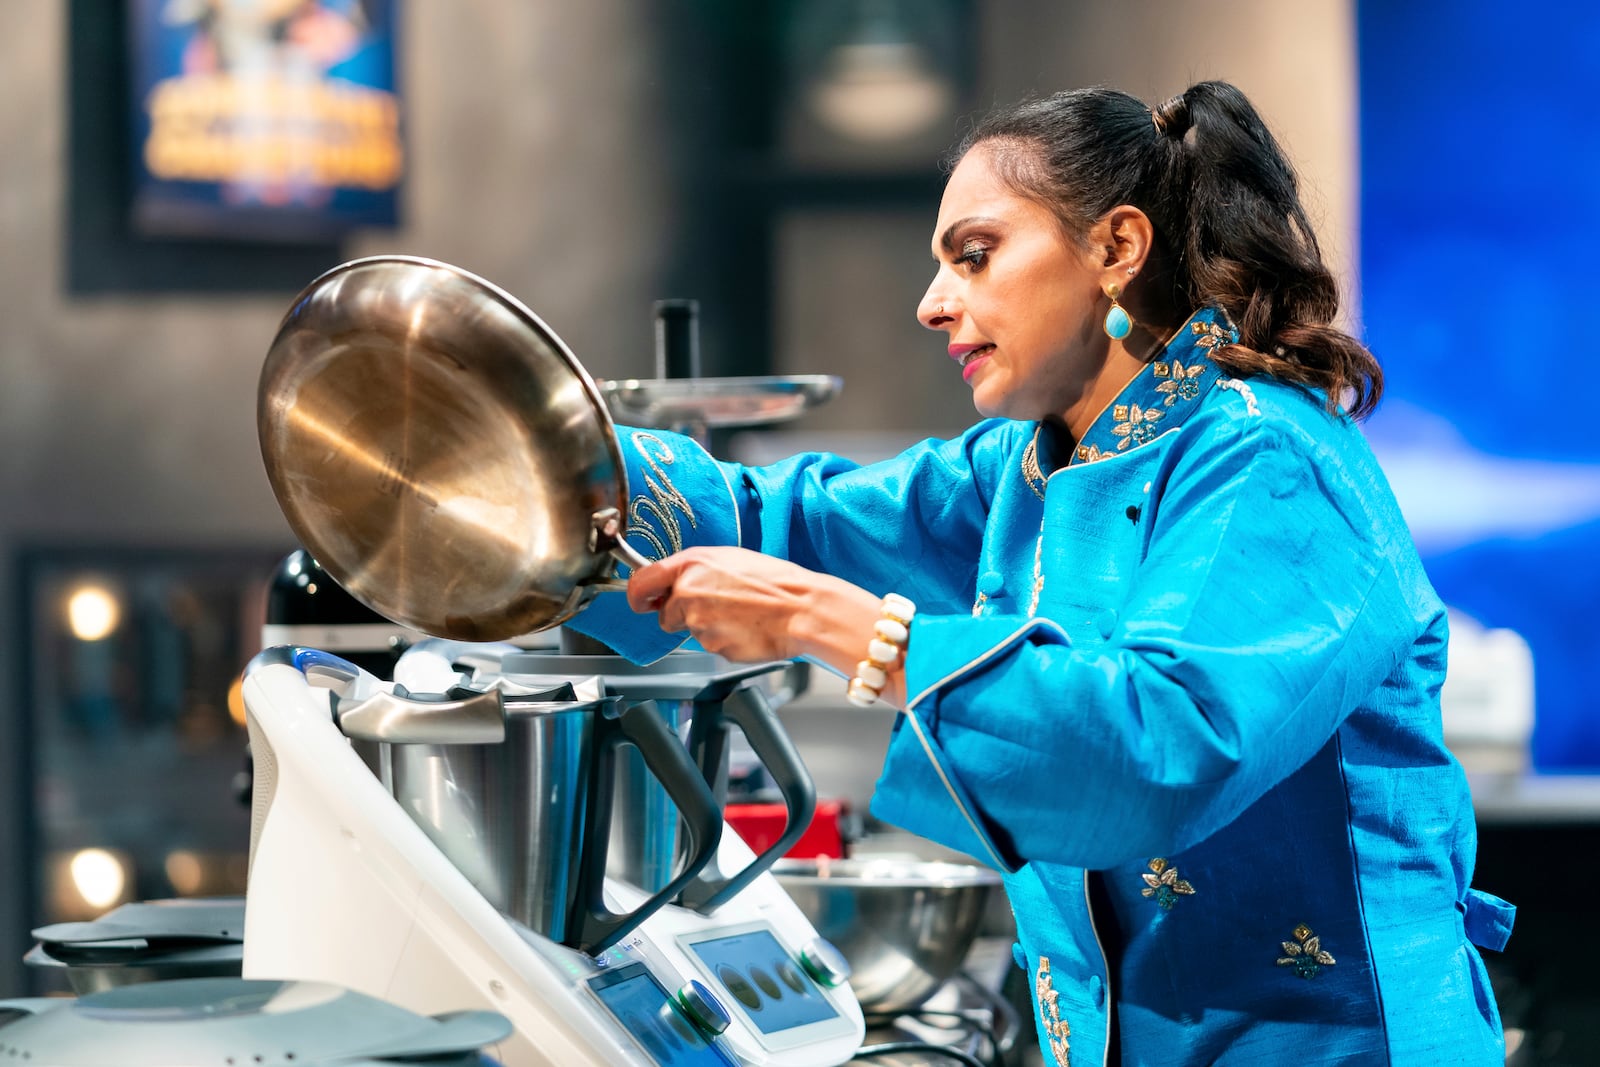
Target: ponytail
pixel 1226 208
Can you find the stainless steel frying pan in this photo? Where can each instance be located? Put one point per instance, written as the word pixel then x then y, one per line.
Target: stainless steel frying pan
pixel 441 452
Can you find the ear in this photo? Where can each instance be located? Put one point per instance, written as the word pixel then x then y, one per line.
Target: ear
pixel 1122 240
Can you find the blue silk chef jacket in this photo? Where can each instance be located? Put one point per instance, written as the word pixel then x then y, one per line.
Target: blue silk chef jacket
pixel 1180 686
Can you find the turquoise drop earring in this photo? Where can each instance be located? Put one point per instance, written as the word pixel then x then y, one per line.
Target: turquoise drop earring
pixel 1118 323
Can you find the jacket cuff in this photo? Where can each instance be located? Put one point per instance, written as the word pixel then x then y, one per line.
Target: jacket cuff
pixel 678 498
pixel 942 651
pixel 920 792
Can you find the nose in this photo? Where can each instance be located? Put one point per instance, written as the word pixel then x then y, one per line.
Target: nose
pixel 935 310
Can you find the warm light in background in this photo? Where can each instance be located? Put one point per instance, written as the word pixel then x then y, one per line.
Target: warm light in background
pixel 93 611
pixel 99 877
pixel 236 701
pixel 185 871
pixel 878 83
pixel 876 92
pixel 198 873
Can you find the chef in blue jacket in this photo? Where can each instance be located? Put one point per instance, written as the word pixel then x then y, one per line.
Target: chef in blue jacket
pixel 1166 655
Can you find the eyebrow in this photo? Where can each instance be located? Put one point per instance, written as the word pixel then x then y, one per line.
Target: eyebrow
pixel 947 241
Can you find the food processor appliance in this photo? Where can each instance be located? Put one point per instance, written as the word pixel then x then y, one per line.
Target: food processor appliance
pixel 349 884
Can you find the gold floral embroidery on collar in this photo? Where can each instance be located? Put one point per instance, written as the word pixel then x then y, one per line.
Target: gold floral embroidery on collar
pixel 1092 453
pixel 1212 335
pixel 1135 425
pixel 1182 383
pixel 1171 388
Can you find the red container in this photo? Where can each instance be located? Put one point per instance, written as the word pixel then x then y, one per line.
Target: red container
pixel 762 824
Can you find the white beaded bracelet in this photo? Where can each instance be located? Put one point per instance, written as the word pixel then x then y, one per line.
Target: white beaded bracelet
pixel 890 634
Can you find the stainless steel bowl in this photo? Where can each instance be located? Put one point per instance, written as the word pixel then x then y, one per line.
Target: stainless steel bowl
pixel 904 925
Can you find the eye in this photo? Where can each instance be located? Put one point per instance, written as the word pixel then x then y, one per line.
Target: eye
pixel 974 254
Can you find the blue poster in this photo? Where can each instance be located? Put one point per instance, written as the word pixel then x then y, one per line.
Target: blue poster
pixel 277 119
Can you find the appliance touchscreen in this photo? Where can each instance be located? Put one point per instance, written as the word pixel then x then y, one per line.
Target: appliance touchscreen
pixel 641 1005
pixel 765 980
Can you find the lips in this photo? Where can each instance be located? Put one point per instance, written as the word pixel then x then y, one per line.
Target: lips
pixel 966 354
pixel 969 356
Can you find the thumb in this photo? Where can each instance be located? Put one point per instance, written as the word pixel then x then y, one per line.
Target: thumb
pixel 649 587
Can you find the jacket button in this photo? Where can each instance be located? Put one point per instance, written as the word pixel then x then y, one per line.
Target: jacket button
pixel 991 583
pixel 1019 957
pixel 1105 622
pixel 1097 991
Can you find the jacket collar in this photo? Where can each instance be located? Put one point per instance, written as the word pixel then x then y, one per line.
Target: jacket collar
pixel 1159 398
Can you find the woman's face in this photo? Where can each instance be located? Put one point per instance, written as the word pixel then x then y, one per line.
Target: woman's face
pixel 1019 300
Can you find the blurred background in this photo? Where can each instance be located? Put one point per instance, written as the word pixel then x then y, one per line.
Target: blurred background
pixel 779 163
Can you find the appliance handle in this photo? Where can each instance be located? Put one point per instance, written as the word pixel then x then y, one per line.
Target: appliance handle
pixel 476 719
pixel 365 710
pixel 314 663
pixel 641 725
pixel 322 669
pixel 747 708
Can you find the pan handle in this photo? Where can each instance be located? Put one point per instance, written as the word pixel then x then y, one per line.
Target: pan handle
pixel 607 536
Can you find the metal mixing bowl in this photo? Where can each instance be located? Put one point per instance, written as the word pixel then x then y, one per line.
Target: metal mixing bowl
pixel 904 925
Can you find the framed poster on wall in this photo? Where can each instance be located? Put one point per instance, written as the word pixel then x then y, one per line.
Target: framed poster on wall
pixel 264 119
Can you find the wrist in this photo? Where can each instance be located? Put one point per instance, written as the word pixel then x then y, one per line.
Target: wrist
pixel 835 624
pixel 841 625
pixel 881 676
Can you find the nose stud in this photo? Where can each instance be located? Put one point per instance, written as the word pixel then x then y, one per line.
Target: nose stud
pixel 941 309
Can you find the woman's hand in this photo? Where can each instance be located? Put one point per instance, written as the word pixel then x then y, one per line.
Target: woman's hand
pixel 748 607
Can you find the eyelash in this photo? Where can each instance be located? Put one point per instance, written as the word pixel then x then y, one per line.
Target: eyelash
pixel 973 255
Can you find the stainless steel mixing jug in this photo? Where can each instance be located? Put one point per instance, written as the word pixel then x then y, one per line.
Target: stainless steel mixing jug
pixel 516 788
pixel 699 698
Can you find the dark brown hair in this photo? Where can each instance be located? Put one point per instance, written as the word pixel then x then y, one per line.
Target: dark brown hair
pixel 1225 204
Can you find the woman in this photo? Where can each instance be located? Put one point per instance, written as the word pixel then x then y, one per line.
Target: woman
pixel 1174 665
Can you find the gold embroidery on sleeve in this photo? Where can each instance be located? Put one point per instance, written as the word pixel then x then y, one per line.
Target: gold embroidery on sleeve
pixel 664 501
